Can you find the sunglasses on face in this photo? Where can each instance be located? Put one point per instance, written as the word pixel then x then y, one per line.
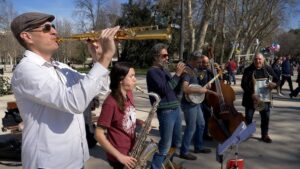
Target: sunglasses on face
pixel 45 28
pixel 164 55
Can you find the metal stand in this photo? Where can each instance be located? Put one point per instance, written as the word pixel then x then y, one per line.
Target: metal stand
pixel 236 157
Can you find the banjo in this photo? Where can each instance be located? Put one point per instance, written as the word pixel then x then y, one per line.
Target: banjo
pixel 198 97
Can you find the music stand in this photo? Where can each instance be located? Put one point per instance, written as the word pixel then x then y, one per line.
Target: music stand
pixel 241 133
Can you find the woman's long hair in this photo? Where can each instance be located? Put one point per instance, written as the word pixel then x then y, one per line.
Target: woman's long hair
pixel 275 61
pixel 117 74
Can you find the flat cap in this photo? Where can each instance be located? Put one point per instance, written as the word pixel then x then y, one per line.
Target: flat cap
pixel 196 54
pixel 28 21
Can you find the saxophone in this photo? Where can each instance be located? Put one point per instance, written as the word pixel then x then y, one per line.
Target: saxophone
pixel 142 150
pixel 133 33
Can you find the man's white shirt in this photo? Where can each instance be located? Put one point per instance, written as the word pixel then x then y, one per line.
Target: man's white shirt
pixel 51 98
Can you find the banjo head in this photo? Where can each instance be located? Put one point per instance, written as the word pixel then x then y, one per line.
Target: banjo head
pixel 195 97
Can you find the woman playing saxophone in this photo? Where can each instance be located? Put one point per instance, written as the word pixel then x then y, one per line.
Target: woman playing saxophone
pixel 118 117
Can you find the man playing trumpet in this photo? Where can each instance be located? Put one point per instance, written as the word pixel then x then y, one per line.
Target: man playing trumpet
pixel 160 81
pixel 252 98
pixel 51 96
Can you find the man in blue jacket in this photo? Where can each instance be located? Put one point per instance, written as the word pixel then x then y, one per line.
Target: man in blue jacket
pixel 160 81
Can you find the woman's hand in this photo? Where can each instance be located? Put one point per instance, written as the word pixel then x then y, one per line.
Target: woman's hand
pixel 128 161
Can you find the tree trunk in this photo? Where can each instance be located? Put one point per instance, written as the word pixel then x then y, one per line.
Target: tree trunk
pixel 213 41
pixel 191 27
pixel 202 34
pixel 224 9
pixel 181 47
pixel 207 14
pixel 236 36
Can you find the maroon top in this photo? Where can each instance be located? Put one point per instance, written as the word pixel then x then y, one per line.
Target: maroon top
pixel 120 124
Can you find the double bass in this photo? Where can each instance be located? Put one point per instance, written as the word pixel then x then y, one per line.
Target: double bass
pixel 225 118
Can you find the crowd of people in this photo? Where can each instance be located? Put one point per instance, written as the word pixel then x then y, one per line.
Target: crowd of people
pixel 284 69
pixel 52 97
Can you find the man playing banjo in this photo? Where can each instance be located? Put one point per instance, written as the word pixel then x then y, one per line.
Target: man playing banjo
pixel 192 111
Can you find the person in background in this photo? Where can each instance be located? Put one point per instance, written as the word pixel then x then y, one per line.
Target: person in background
pixel 160 81
pixel 118 118
pixel 193 114
pixel 276 66
pixel 51 96
pixel 295 92
pixel 286 74
pixel 231 70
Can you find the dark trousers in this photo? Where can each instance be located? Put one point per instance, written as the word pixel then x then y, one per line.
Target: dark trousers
pixel 289 79
pixel 264 115
pixel 295 92
pixel 207 114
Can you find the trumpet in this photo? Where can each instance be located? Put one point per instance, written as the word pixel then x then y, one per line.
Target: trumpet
pixel 134 33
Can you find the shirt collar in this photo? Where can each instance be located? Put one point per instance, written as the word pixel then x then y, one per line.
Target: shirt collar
pixel 37 59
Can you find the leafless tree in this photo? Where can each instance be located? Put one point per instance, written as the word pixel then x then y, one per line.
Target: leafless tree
pixel 9 48
pixel 254 19
pixel 208 12
pixel 96 14
pixel 66 50
pixel 190 25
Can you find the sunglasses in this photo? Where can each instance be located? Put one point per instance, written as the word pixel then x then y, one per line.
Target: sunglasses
pixel 164 55
pixel 45 28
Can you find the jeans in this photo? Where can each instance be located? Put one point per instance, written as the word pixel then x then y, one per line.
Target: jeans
pixel 265 118
pixel 170 134
pixel 195 124
pixel 232 77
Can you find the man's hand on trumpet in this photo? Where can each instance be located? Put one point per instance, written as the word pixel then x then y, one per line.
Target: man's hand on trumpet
pixel 180 68
pixel 103 49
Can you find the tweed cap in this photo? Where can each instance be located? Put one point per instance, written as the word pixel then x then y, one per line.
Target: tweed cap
pixel 28 21
pixel 196 54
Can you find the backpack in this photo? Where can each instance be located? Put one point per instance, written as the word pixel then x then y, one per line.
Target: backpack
pixel 12 118
pixel 10 150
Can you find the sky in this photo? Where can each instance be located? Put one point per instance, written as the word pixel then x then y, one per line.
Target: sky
pixel 61 9
pixel 293 16
pixel 65 9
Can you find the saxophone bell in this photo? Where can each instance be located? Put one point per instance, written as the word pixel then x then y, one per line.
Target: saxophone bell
pixel 142 149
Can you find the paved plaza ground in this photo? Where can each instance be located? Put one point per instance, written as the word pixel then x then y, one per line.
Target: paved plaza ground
pixel 283 153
